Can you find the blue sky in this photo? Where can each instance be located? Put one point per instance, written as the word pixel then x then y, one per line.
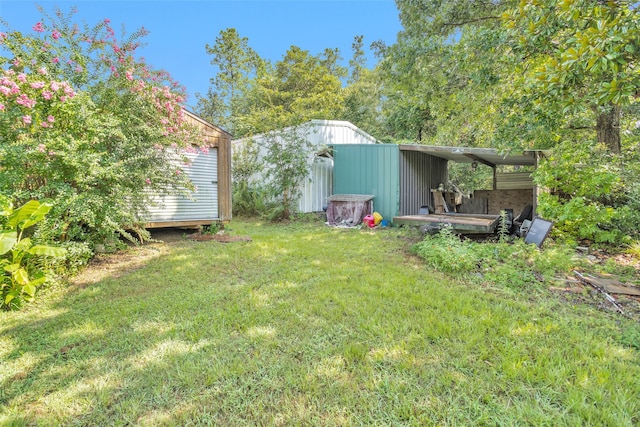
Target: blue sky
pixel 180 29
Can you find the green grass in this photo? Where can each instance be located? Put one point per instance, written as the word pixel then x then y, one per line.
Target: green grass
pixel 308 325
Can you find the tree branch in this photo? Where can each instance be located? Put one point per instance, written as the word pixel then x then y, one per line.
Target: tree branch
pixel 469 21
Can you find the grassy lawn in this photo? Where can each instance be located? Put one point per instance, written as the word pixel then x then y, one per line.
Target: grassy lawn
pixel 307 325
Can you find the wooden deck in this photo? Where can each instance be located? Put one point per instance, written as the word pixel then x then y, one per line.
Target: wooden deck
pixel 461 223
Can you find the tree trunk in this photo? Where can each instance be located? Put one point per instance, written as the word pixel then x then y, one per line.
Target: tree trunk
pixel 608 128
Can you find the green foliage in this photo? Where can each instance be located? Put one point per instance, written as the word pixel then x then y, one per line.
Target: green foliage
pixel 591 196
pixel 631 336
pixel 446 252
pixel 250 95
pixel 20 277
pixel 237 64
pixel 286 160
pixel 505 264
pixel 86 123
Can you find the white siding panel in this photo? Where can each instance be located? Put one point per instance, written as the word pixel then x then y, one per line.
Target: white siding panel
pixel 203 204
pixel 317 187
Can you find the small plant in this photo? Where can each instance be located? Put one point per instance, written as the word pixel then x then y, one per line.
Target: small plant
pixel 503 227
pixel 214 228
pixel 20 277
pixel 446 252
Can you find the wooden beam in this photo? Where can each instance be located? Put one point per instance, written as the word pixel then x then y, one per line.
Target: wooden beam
pixel 224 179
pixel 190 223
pixel 479 160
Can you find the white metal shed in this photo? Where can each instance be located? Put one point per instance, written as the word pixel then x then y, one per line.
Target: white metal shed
pixel 320 134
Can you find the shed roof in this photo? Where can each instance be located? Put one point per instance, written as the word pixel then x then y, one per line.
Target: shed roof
pixel 211 132
pixel 488 156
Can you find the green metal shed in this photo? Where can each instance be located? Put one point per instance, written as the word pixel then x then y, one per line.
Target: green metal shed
pixel 369 169
pixel 402 177
pixel 401 180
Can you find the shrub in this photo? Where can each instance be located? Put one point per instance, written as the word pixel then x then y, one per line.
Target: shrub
pixel 20 275
pixel 512 265
pixel 446 252
pixel 86 123
pixel 594 193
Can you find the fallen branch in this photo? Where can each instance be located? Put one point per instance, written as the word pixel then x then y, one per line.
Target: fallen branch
pixel 609 298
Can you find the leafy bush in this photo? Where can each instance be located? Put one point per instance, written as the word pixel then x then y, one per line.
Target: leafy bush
pixel 86 123
pixel 511 265
pixel 20 277
pixel 593 196
pixel 446 252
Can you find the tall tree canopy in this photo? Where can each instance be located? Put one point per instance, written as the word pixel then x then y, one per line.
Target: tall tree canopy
pixel 511 73
pixel 237 64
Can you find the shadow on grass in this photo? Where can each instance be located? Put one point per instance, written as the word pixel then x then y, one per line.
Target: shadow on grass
pixel 306 326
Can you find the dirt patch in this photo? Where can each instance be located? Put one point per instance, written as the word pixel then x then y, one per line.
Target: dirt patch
pixel 116 264
pixel 113 265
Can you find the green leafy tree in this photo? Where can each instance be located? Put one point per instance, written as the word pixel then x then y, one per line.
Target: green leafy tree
pixel 237 66
pixel 362 95
pixel 443 79
pixel 296 89
pixel 579 59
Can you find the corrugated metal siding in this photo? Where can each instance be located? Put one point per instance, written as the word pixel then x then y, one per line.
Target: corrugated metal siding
pixel 369 169
pixel 204 174
pixel 329 132
pixel 315 189
pixel 514 181
pixel 419 173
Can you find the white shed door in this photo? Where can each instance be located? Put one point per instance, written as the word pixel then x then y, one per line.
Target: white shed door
pixel 203 204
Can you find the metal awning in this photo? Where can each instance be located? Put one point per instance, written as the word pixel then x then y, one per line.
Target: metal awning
pixel 487 156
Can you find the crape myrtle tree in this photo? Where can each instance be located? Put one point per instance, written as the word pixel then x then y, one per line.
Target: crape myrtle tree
pixel 89 126
pixel 554 74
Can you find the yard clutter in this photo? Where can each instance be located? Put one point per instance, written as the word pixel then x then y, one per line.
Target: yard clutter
pixel 348 210
pixel 372 220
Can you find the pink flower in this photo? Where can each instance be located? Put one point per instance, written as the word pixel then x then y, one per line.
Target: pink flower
pixel 26 101
pixel 129 75
pixel 148 181
pixel 42 148
pixel 51 153
pixel 50 118
pixel 22 77
pixel 54 86
pixel 5 90
pixel 1 107
pixel 55 34
pixel 47 95
pixel 178 172
pixel 2 36
pixel 55 60
pixel 45 125
pixel 39 28
pixel 16 62
pixel 26 119
pixel 37 85
pixel 78 69
pixel 42 71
